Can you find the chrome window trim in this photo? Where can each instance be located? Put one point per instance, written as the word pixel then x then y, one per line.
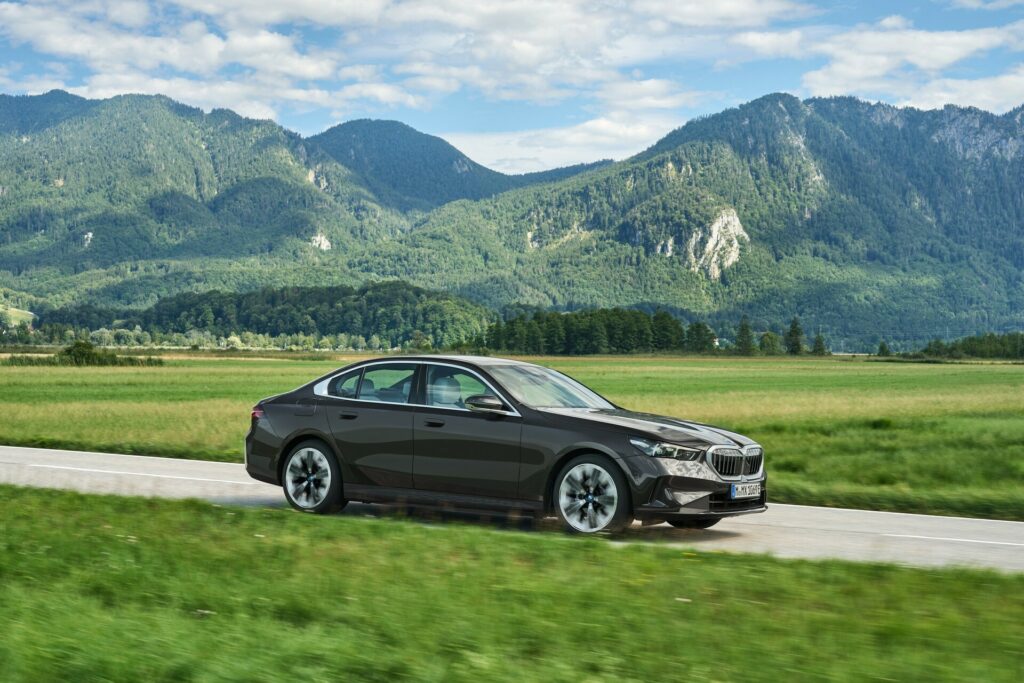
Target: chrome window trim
pixel 320 388
pixel 756 476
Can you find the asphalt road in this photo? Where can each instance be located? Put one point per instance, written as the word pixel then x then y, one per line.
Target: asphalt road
pixel 783 531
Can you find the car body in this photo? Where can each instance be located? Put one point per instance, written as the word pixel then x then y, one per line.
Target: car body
pixel 491 433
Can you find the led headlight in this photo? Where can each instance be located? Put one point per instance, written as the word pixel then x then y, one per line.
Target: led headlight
pixel 660 449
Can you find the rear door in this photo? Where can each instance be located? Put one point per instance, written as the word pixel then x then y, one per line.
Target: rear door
pixel 372 423
pixel 457 450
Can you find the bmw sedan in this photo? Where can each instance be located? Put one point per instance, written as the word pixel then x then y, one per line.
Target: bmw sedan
pixel 489 433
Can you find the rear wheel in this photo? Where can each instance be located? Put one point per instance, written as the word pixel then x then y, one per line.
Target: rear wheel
pixel 696 523
pixel 312 479
pixel 591 495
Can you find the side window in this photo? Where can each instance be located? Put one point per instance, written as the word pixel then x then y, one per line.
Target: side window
pixel 387 382
pixel 449 387
pixel 345 386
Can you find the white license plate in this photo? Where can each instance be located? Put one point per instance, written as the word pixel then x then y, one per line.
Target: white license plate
pixel 746 490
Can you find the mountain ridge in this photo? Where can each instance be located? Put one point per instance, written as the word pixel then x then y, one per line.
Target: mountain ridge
pixel 863 218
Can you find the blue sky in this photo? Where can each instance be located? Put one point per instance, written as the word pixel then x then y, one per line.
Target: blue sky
pixel 518 85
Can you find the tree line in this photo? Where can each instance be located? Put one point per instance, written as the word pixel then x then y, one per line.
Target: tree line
pixel 391 315
pixel 1009 345
pixel 620 330
pixel 376 316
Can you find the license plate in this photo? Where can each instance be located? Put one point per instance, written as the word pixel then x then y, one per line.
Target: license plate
pixel 746 490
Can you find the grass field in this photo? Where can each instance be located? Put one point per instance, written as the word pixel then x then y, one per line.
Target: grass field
pixel 16 315
pixel 98 588
pixel 844 432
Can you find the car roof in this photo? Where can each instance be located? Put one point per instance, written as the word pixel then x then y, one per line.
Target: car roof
pixel 471 360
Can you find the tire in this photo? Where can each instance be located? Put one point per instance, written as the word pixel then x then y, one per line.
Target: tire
pixel 311 478
pixel 579 508
pixel 695 523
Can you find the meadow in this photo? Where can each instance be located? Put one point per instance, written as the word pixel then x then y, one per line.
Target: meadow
pixel 930 438
pixel 16 315
pixel 104 588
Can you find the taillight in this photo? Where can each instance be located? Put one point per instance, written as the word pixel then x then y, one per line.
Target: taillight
pixel 257 413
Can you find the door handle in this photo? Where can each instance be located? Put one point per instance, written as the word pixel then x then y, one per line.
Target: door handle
pixel 434 422
pixel 348 415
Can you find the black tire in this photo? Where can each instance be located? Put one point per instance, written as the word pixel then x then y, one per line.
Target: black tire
pixel 610 517
pixel 695 523
pixel 303 489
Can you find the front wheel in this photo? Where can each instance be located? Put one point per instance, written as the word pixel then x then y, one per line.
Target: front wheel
pixel 696 523
pixel 312 479
pixel 591 495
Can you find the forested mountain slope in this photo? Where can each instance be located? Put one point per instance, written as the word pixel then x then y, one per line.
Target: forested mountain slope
pixel 412 170
pixel 865 219
pixel 111 187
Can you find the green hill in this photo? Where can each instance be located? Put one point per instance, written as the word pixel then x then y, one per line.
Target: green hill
pixel 867 220
pixel 411 170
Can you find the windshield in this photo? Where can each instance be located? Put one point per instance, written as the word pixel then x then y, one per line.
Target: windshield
pixel 540 387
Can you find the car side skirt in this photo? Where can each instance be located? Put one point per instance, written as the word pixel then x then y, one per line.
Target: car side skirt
pixel 379 494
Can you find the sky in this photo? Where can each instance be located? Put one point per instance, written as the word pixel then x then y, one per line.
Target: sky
pixel 517 85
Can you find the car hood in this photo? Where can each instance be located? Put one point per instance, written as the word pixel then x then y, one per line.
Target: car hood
pixel 657 426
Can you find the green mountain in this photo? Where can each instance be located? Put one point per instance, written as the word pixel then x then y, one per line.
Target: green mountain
pixel 411 170
pixel 868 221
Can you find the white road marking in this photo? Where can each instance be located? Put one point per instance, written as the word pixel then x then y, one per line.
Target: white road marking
pixel 958 540
pixel 144 474
pixel 888 512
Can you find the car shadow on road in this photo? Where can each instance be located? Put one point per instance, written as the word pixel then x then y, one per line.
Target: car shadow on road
pixel 637 533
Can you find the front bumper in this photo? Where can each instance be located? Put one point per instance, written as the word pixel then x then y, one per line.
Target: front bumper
pixel 694 489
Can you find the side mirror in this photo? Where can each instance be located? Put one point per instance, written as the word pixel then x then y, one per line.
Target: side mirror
pixel 485 403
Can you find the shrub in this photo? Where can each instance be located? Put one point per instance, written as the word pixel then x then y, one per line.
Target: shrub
pixel 82 353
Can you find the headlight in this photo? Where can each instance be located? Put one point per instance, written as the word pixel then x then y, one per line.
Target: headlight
pixel 660 449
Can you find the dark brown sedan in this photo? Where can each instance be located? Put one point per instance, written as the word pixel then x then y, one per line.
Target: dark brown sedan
pixel 492 433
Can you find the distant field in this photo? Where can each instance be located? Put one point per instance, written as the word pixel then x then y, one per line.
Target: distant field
pixel 841 432
pixel 97 588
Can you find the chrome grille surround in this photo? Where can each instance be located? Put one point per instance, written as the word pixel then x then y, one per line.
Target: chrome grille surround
pixel 736 464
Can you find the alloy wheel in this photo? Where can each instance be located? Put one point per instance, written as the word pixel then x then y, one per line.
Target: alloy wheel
pixel 588 497
pixel 308 477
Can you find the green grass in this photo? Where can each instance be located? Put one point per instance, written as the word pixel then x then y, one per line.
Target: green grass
pixel 945 439
pixel 104 588
pixel 16 315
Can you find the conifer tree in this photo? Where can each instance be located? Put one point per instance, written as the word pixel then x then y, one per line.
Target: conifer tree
pixel 819 348
pixel 744 338
pixel 795 338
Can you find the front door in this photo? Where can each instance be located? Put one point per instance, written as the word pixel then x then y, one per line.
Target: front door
pixel 460 451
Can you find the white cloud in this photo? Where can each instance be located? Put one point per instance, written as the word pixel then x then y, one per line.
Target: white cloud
pixel 890 56
pixel 994 93
pixel 271 12
pixel 384 93
pixel 190 47
pixel 987 4
pixel 615 135
pixel 359 72
pixel 652 93
pixel 772 43
pixel 728 13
